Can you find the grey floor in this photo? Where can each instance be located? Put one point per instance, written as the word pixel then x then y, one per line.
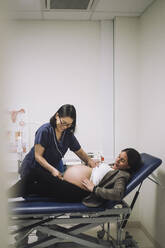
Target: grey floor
pixel 137 234
pixel 140 237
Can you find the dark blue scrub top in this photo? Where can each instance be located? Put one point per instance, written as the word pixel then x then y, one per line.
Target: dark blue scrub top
pixel 54 149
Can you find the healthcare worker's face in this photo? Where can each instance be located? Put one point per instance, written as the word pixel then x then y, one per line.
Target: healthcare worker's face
pixel 121 161
pixel 63 123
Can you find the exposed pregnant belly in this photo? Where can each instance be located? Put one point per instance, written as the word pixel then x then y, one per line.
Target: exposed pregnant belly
pixel 75 174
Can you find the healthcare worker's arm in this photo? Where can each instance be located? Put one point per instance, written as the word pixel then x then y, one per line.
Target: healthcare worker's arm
pixel 84 157
pixel 39 151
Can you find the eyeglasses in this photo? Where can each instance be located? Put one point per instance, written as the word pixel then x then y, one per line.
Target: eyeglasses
pixel 64 124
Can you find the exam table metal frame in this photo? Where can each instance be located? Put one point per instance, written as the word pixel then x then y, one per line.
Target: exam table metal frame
pixel 69 222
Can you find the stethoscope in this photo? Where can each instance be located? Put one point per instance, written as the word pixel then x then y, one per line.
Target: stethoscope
pixel 56 143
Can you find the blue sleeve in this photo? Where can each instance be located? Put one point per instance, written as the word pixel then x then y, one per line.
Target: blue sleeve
pixel 42 137
pixel 74 144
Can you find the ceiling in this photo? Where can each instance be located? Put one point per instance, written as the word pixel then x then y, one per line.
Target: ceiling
pixel 96 10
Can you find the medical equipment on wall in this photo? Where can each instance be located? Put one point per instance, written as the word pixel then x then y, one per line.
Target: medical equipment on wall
pixel 19 151
pixel 97 156
pixel 17 135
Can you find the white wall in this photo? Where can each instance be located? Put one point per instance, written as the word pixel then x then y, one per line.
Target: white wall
pixel 152 119
pixel 51 63
pixel 126 79
pixel 126 89
pixel 140 104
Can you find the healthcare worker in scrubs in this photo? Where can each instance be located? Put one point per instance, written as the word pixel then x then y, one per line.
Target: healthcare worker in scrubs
pixel 41 170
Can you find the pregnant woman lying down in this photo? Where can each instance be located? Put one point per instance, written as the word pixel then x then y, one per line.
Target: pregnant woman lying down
pixel 105 182
pixel 92 186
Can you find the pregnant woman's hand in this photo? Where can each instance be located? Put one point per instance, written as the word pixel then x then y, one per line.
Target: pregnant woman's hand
pixel 88 184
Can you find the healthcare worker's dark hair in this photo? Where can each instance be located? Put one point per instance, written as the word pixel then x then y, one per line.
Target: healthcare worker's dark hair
pixel 134 159
pixel 66 110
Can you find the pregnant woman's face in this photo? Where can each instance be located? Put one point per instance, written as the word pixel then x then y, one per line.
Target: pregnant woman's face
pixel 121 161
pixel 75 174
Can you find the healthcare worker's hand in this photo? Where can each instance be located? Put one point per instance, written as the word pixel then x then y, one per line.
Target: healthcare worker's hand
pixel 88 184
pixel 56 173
pixel 93 163
pixel 87 160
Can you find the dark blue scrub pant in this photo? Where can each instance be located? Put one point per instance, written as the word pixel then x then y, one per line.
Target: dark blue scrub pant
pixel 41 183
